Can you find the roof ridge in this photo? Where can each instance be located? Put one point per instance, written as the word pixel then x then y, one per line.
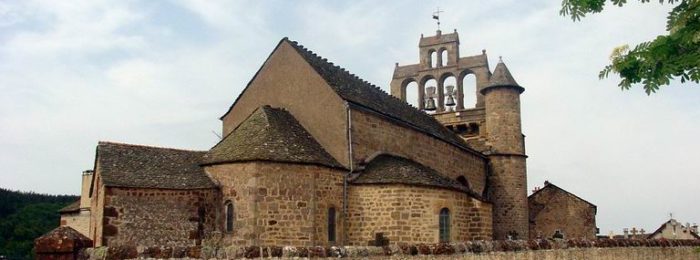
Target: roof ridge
pixel 148 146
pixel 341 69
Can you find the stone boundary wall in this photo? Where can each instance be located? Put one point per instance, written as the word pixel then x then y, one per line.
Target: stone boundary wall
pixel 494 250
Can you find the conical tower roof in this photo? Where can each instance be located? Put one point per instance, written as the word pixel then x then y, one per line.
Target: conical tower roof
pixel 501 77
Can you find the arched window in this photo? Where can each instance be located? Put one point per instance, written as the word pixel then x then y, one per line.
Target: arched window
pixel 433 59
pixel 229 216
pixel 331 225
pixel 444 225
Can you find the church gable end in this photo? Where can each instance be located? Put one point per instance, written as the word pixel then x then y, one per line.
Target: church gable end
pixel 287 81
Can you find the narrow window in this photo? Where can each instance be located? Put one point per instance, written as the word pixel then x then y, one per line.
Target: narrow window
pixel 331 225
pixel 229 216
pixel 444 225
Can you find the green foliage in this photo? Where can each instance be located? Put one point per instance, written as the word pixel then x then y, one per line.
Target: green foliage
pixel 26 216
pixel 657 62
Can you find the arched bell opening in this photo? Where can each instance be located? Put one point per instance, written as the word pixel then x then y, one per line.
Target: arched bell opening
pixel 450 96
pixel 431 96
pixel 469 89
pixel 412 94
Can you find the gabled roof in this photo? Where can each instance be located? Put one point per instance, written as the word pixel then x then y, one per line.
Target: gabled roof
pixel 137 166
pixel 549 185
pixel 501 77
pixel 369 96
pixel 438 39
pixel 70 208
pixel 390 169
pixel 270 134
pixel 661 228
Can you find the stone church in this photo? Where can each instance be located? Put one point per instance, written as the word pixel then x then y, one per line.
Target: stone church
pixel 314 155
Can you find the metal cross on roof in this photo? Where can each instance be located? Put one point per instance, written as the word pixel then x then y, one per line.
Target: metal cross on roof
pixel 436 16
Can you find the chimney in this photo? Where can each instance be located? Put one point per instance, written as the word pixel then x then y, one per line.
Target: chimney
pixel 85 189
pixel 626 232
pixel 694 228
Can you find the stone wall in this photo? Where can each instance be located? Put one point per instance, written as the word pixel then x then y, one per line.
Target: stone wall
pixel 475 250
pixel 96 210
pixel 280 204
pixel 79 221
pixel 508 193
pixel 409 214
pixel 552 209
pixel 508 178
pixel 372 134
pixel 149 217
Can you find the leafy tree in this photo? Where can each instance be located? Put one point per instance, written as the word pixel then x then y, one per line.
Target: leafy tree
pixel 654 63
pixel 25 216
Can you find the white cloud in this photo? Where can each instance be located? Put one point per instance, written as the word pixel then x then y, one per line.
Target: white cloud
pixel 76 72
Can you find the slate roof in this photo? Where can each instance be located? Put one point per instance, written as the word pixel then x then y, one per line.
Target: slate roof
pixel 501 77
pixel 73 207
pixel 366 95
pixel 389 169
pixel 137 166
pixel 270 134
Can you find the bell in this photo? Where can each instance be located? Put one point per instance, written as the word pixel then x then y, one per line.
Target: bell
pixel 450 95
pixel 430 104
pixel 450 101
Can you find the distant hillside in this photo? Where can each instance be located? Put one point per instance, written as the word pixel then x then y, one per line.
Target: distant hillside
pixel 25 216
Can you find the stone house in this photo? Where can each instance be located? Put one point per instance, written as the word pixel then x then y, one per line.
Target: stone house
pixel 672 229
pixel 314 155
pixel 555 212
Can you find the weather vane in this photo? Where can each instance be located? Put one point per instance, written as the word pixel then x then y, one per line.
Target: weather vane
pixel 436 16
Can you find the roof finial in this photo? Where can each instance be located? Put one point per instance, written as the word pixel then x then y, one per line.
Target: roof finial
pixel 436 16
pixel 500 59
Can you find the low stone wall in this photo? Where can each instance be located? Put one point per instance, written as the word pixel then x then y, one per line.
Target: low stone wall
pixel 493 250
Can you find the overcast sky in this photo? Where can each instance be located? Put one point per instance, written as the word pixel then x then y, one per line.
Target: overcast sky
pixel 162 72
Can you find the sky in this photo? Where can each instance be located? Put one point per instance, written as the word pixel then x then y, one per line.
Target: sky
pixel 161 73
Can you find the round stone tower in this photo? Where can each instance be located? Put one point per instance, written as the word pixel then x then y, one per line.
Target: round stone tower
pixel 507 181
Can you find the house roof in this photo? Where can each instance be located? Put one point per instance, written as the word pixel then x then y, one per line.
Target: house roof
pixel 549 185
pixel 270 134
pixel 70 208
pixel 390 169
pixel 369 96
pixel 661 228
pixel 137 166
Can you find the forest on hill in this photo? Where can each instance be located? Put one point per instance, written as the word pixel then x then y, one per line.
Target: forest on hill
pixel 25 216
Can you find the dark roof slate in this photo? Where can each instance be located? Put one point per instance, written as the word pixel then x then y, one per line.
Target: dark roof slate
pixel 360 92
pixel 270 134
pixel 501 77
pixel 73 207
pixel 390 169
pixel 127 165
